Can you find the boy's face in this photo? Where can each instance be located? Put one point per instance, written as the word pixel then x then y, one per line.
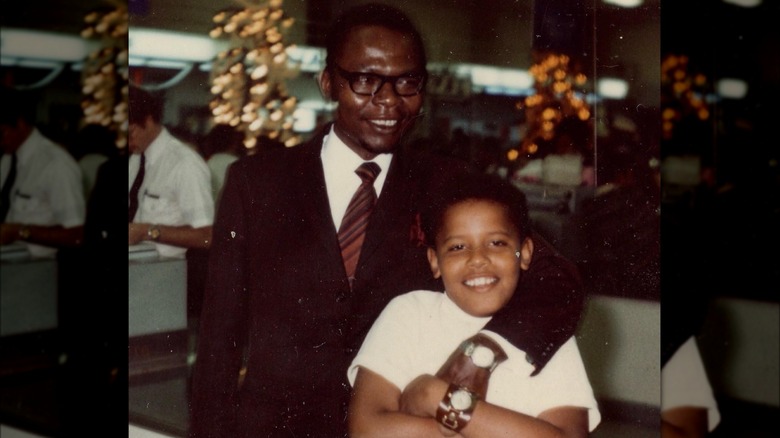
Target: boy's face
pixel 476 257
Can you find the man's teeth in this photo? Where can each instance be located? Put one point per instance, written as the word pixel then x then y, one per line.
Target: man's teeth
pixel 482 281
pixel 385 122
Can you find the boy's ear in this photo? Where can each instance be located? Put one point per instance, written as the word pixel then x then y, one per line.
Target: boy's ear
pixel 433 260
pixel 526 253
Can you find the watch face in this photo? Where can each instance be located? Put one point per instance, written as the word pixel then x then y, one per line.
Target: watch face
pixel 483 357
pixel 460 400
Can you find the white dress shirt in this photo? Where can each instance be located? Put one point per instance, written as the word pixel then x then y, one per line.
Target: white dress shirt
pixel 48 188
pixel 684 383
pixel 339 163
pixel 176 189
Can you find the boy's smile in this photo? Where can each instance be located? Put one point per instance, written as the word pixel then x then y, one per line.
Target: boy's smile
pixel 476 256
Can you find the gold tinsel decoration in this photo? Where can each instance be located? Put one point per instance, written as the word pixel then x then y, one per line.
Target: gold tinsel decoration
pixel 683 93
pixel 104 77
pixel 248 80
pixel 558 91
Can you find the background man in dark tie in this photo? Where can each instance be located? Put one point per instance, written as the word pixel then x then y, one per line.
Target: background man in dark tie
pixel 280 308
pixel 169 192
pixel 43 203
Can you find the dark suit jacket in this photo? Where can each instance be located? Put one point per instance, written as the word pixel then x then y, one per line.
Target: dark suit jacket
pixel 277 299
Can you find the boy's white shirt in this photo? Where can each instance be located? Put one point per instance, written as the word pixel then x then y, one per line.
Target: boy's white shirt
pixel 684 383
pixel 417 332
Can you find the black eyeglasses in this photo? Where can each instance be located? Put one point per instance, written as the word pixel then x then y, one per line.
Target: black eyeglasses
pixel 367 84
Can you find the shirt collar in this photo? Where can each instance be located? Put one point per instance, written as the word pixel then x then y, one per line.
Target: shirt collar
pixel 157 146
pixel 336 155
pixel 29 146
pixel 450 307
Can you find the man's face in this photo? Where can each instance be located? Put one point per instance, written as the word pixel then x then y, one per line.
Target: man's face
pixel 372 125
pixel 141 135
pixel 12 136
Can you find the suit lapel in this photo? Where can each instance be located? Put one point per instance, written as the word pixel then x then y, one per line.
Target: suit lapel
pixel 314 205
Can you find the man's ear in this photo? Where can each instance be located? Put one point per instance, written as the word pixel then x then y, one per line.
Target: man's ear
pixel 326 84
pixel 433 260
pixel 526 253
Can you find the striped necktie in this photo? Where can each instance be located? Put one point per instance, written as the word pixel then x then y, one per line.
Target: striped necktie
pixel 353 226
pixel 139 179
pixel 5 194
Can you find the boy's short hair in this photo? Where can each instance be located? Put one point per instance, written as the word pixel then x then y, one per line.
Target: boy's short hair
pixel 371 14
pixel 144 104
pixel 474 186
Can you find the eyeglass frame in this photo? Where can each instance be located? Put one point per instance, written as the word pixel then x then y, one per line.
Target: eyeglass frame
pixel 351 76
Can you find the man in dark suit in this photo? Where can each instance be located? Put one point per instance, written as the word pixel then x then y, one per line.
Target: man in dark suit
pixel 282 319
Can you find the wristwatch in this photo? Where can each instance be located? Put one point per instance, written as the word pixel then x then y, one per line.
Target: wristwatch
pixel 24 232
pixel 153 233
pixel 455 409
pixel 484 352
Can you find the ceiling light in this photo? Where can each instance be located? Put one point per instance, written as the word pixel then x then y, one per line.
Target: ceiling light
pixel 48 46
pixel 172 46
pixel 730 88
pixel 743 3
pixel 624 3
pixel 612 88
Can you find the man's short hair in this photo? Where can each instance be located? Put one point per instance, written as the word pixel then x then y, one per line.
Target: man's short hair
pixel 144 104
pixel 17 105
pixel 371 14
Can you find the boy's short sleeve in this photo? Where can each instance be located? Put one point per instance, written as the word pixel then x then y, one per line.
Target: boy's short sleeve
pixel 562 382
pixel 684 382
pixel 385 348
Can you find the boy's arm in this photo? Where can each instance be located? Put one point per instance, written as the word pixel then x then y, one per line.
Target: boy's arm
pixel 684 422
pixel 375 412
pixel 423 396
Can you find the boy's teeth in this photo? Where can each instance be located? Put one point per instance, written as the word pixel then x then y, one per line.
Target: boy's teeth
pixel 385 122
pixel 482 281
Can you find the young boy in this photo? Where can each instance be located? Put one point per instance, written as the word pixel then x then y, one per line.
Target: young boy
pixel 478 235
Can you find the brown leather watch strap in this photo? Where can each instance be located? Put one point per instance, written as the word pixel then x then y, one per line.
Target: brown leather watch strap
pixel 461 369
pixel 470 345
pixel 455 409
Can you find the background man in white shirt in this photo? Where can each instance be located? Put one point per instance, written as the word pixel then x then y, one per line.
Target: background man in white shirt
pixel 45 208
pixel 175 207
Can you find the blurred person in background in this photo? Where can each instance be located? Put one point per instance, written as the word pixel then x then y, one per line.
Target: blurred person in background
pixel 42 203
pixel 93 146
pixel 169 183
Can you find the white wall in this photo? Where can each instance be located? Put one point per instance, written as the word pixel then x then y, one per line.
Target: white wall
pixel 740 345
pixel 620 343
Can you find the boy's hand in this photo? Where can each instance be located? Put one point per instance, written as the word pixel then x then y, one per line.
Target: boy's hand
pixel 421 397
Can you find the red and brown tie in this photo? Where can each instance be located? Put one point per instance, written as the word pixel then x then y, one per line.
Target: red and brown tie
pixel 353 227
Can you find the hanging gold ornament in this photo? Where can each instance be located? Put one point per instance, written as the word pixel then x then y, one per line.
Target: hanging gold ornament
pixel 683 93
pixel 248 80
pixel 559 91
pixel 104 77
